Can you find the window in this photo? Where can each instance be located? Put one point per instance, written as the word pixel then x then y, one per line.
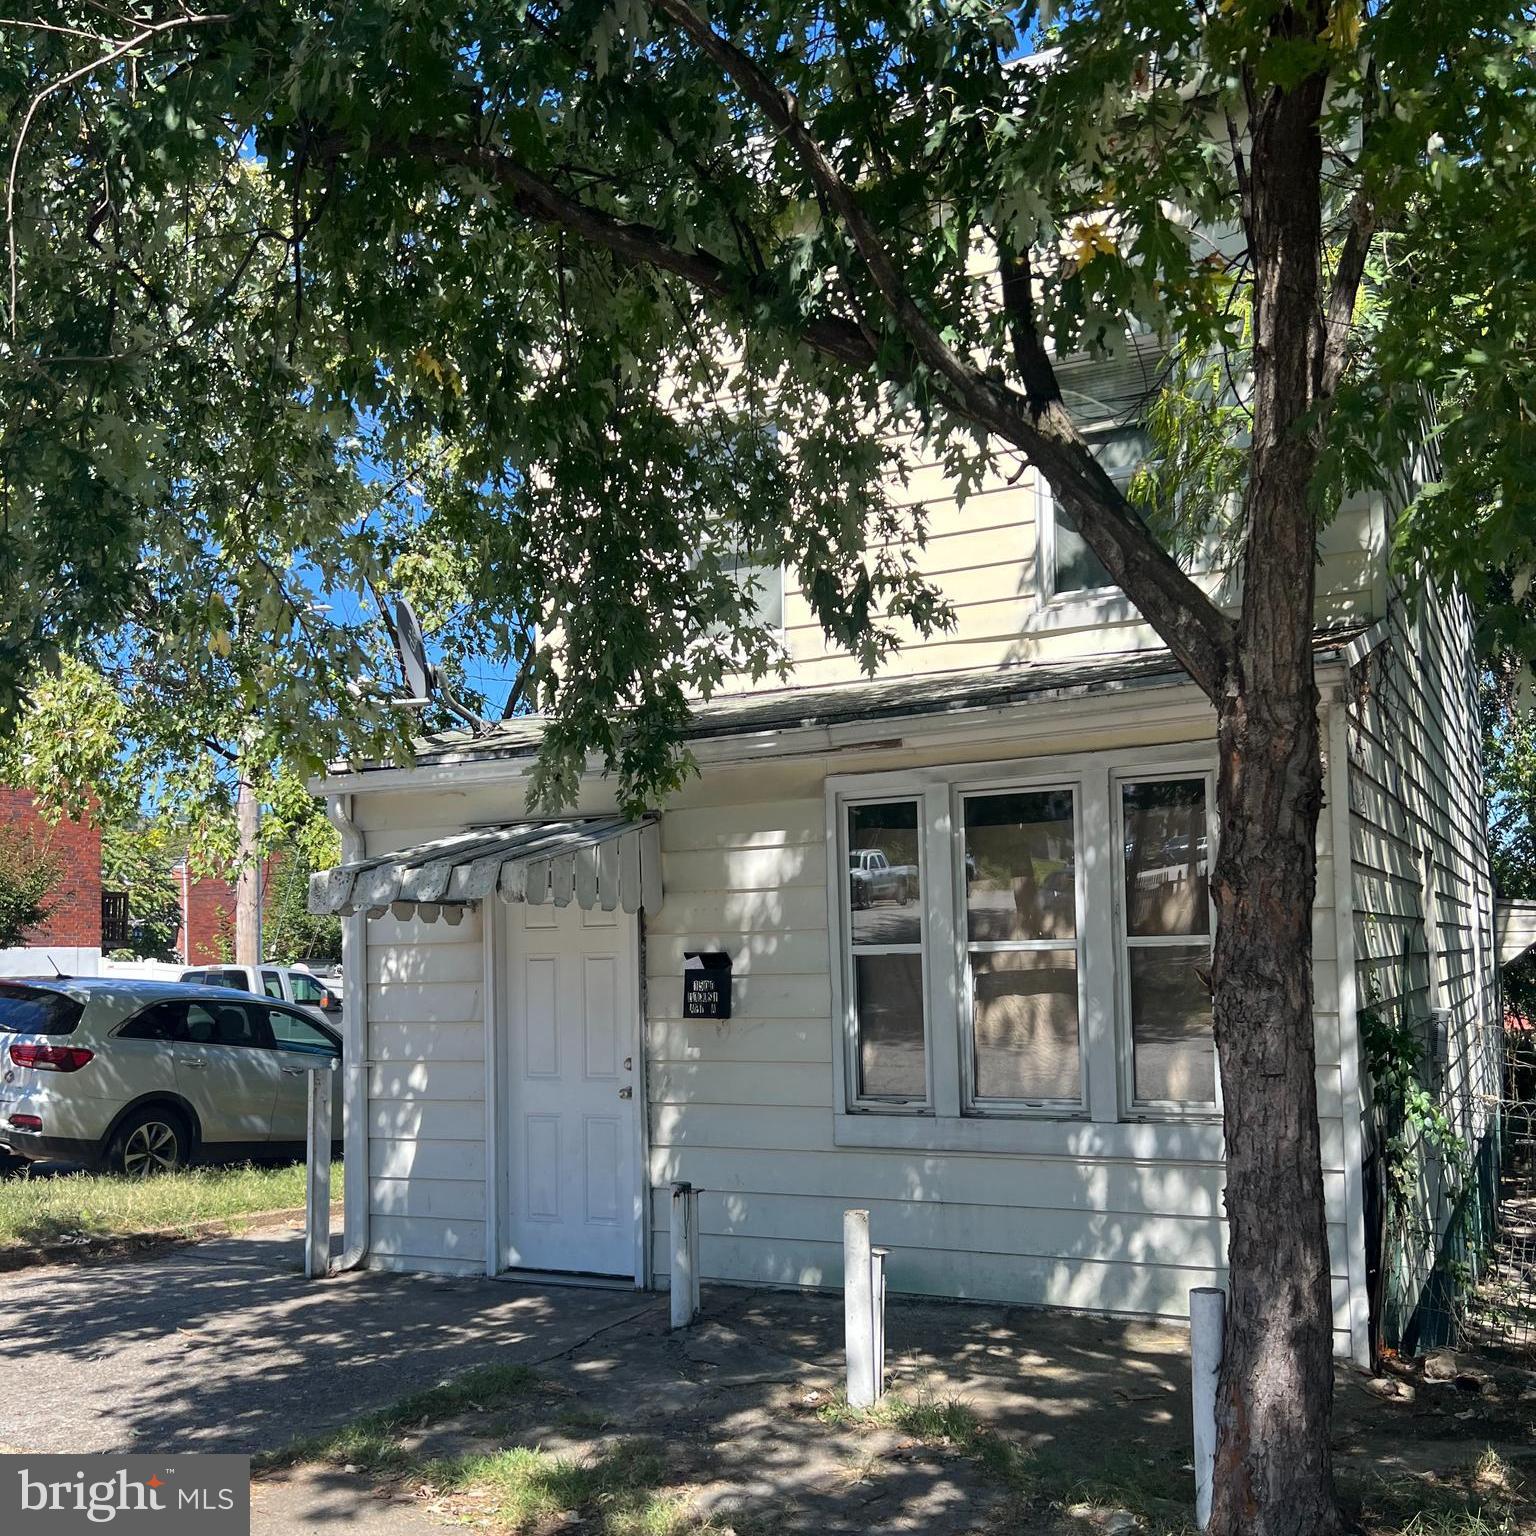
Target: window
pixel 1165 915
pixel 1075 567
pixel 203 1024
pixel 272 984
pixel 1020 872
pixel 884 891
pixel 764 584
pixel 28 1010
pixel 1026 956
pixel 299 1034
pixel 163 1021
pixel 306 989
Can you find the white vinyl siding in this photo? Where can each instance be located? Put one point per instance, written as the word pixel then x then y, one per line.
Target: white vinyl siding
pixel 745 1110
pixel 426 1087
pixel 1423 900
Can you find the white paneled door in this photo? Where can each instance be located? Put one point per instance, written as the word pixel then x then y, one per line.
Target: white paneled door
pixel 572 1049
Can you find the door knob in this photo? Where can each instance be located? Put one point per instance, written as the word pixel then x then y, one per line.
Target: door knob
pixel 626 1093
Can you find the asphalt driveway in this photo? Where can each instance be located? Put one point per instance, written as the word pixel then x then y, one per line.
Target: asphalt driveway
pixel 224 1346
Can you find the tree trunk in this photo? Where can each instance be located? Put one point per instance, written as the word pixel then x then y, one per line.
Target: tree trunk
pixel 1274 1472
pixel 248 876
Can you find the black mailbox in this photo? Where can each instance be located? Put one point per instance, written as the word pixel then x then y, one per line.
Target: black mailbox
pixel 706 984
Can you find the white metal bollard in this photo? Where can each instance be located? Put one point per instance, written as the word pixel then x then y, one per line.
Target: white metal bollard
pixel 317 1175
pixel 877 1258
pixel 685 1255
pixel 1207 1324
pixel 858 1309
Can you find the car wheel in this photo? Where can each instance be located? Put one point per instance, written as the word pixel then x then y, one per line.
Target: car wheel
pixel 150 1141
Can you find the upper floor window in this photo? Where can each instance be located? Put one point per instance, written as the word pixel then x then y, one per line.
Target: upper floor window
pixel 761 585
pixel 1074 567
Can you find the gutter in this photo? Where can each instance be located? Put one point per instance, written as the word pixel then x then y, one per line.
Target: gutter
pixel 354 1038
pixel 1021 718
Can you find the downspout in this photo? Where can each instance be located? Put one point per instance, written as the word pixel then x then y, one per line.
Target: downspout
pixel 354 1034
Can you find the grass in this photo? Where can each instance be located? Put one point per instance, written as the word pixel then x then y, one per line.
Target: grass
pixel 1486 1500
pixel 620 1489
pixel 377 1441
pixel 945 1422
pixel 34 1211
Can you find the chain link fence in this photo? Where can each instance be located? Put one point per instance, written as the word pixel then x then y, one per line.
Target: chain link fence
pixel 1452 1230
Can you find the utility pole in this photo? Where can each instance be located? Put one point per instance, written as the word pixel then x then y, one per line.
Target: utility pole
pixel 248 893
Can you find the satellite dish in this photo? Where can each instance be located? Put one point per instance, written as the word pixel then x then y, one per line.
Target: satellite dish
pixel 421 679
pixel 423 682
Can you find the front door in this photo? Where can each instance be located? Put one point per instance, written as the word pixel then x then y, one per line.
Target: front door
pixel 572 1036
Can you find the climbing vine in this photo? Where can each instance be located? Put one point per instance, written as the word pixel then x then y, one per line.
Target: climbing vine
pixel 1412 1117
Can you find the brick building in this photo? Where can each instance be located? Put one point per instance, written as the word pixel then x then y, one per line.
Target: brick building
pixel 207 932
pixel 70 936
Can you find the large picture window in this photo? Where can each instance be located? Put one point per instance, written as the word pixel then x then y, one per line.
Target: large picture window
pixel 884 892
pixel 1166 933
pixel 1025 954
pixel 1021 922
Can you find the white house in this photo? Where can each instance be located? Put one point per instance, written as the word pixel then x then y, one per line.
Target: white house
pixel 966 912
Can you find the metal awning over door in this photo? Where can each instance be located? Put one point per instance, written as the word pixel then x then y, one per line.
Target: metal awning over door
pixel 598 861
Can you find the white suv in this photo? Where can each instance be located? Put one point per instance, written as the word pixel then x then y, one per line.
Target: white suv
pixel 143 1076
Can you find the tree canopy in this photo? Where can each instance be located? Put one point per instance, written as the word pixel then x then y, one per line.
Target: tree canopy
pixel 538 306
pixel 562 311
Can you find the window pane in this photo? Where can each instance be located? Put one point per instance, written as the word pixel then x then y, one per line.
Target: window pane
pixel 290 1030
pixel 1020 877
pixel 1171 1023
pixel 1025 1023
pixel 1078 569
pixel 271 984
pixel 888 995
pixel 305 988
pixel 884 889
pixel 1167 872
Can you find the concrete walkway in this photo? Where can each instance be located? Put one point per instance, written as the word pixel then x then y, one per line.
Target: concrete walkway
pixel 224 1346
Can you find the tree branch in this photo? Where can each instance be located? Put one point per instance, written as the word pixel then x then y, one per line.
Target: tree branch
pixel 539 200
pixel 1200 636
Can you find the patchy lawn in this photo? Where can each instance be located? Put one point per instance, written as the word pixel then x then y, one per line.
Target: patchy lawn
pixel 997 1422
pixel 80 1206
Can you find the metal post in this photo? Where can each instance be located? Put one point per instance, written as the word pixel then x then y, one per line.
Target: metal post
pixel 1207 1323
pixel 877 1258
pixel 685 1254
pixel 695 1272
pixel 858 1309
pixel 317 1171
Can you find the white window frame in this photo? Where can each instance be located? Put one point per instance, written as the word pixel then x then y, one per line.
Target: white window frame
pixel 1159 1109
pixel 885 1103
pixel 1108 1129
pixel 1054 1109
pixel 1082 605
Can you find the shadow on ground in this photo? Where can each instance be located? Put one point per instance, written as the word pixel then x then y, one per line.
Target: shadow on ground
pixel 223 1346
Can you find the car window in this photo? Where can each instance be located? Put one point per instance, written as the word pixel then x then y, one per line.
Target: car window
pixel 243 1025
pixel 305 988
pixel 272 984
pixel 294 1032
pixel 162 1021
pixel 37 1010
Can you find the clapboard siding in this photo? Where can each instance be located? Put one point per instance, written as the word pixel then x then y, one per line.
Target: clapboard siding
pixel 743 1109
pixel 1420 877
pixel 426 1086
pixel 982 555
